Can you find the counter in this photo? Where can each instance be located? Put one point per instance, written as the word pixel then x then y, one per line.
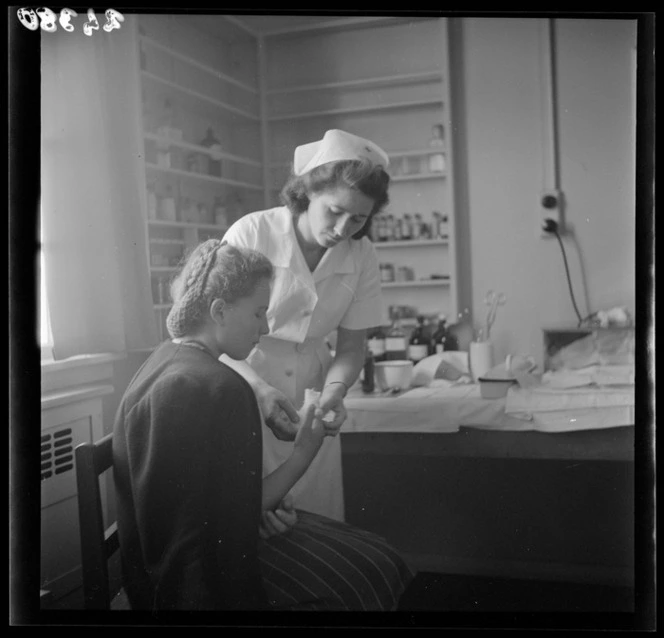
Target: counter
pixel 459 486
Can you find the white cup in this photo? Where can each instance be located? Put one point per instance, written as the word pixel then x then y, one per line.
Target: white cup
pixel 481 358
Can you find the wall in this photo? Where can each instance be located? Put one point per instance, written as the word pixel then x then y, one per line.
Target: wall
pixel 498 63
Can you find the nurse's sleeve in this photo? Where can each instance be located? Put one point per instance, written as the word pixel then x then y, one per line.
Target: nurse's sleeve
pixel 366 309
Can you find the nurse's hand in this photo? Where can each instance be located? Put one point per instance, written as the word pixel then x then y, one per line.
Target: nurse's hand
pixel 332 400
pixel 279 413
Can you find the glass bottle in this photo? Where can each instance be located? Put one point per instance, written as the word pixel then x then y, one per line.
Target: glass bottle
pixel 398 229
pixel 418 348
pixel 437 160
pixel 417 226
pixel 389 228
pixel 407 228
pixel 376 343
pixel 439 337
pixel 395 341
pixel 462 332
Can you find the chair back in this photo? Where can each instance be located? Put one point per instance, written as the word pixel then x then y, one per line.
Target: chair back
pixel 98 544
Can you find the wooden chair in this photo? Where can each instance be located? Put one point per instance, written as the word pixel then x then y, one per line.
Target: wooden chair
pixel 98 544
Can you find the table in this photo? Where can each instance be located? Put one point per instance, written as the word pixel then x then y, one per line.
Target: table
pixel 496 502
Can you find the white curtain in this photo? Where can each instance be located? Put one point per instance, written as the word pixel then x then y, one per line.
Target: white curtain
pixel 92 193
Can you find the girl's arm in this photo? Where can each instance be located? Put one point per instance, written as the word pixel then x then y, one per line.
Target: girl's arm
pixel 307 443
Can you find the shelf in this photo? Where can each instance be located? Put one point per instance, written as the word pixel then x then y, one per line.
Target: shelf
pixel 200 176
pixel 222 76
pixel 424 283
pixel 411 243
pixel 357 109
pixel 201 96
pixel 368 83
pixel 202 149
pixel 164 222
pixel 417 177
pixel 344 24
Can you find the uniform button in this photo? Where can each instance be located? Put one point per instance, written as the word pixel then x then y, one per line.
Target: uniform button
pixel 306 313
pixel 288 373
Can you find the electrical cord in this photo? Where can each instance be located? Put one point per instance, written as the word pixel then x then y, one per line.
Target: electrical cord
pixel 551 226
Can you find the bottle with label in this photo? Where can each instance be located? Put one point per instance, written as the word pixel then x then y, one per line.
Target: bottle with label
pixel 382 228
pixel 214 161
pixel 439 337
pixel 389 228
pixel 368 372
pixel 418 348
pixel 386 273
pixel 395 341
pixel 376 343
pixel 398 229
pixel 416 231
pixel 461 333
pixel 437 160
pixel 407 228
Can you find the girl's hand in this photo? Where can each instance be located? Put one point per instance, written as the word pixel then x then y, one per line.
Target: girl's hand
pixel 278 521
pixel 332 399
pixel 279 413
pixel 310 435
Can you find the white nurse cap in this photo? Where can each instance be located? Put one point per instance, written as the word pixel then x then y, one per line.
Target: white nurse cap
pixel 337 145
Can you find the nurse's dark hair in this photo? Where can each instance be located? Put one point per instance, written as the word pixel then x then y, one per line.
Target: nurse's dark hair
pixel 372 181
pixel 213 270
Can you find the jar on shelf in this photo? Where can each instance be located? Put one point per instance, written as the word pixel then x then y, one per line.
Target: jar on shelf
pixel 407 228
pixel 437 160
pixel 386 273
pixel 397 230
pixel 417 226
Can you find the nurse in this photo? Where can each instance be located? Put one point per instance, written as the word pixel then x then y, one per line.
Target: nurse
pixel 326 279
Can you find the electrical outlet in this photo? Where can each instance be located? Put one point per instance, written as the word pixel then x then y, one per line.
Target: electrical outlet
pixel 551 207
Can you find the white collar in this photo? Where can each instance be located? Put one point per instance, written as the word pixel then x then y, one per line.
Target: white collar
pixel 284 250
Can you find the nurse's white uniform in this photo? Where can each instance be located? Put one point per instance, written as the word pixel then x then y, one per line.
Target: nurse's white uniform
pixel 343 291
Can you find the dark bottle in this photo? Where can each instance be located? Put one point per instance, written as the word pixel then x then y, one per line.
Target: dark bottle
pixel 461 333
pixel 395 342
pixel 376 343
pixel 368 372
pixel 418 348
pixel 439 338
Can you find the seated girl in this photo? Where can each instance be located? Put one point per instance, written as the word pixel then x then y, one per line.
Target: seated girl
pixel 199 527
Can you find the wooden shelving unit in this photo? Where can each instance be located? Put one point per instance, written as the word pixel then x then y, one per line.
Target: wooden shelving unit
pixel 262 94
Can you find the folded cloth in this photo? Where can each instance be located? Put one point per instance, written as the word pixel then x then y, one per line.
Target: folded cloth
pixel 543 399
pixel 600 375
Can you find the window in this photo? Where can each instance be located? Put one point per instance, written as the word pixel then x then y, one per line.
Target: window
pixel 45 336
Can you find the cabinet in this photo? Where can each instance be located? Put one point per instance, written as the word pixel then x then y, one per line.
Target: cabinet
pixel 202 134
pixel 386 80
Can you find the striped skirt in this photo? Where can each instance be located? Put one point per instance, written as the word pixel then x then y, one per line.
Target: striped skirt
pixel 323 564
